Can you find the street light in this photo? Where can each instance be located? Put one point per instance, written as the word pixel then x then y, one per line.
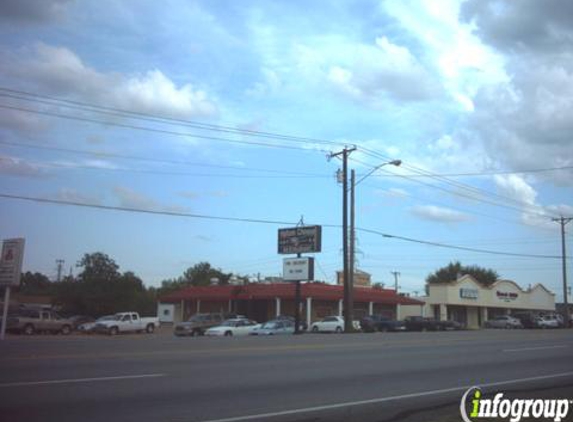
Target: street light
pixel 349 290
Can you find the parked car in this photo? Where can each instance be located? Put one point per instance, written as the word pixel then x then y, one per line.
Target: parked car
pixel 127 322
pixel 527 319
pixel 418 323
pixel 275 327
pixel 450 325
pixel 373 323
pixel 503 321
pixel 302 324
pixel 78 320
pixel 198 324
pixel 548 321
pixel 89 327
pixel 233 327
pixel 332 324
pixel 31 321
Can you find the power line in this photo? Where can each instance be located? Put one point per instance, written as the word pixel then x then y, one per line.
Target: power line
pixel 151 160
pixel 472 189
pixel 155 130
pixel 259 221
pixel 84 106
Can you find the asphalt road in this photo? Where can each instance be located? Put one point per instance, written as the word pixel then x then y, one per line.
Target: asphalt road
pixel 362 377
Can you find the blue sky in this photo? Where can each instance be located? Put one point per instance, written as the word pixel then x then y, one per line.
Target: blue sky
pixel 475 97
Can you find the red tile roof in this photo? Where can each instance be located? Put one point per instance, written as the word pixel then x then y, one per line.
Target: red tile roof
pixel 318 291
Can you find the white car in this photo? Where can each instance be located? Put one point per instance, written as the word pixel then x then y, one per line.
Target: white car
pixel 548 321
pixel 233 327
pixel 89 327
pixel 332 324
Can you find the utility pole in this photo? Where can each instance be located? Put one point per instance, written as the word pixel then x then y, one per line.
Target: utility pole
pixel 396 274
pixel 345 277
pixel 352 249
pixel 563 221
pixel 60 263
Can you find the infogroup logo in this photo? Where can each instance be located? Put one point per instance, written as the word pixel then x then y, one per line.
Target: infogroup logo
pixel 511 409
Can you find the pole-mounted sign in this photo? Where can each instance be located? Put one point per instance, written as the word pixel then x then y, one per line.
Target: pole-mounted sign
pixel 298 269
pixel 296 240
pixel 11 262
pixel 10 270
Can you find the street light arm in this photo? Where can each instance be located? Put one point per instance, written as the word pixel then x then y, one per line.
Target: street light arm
pixel 393 162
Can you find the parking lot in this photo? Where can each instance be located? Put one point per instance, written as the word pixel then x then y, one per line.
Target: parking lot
pixel 327 376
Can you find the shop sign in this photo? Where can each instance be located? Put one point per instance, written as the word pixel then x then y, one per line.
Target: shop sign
pixel 506 296
pixel 469 293
pixel 304 239
pixel 298 269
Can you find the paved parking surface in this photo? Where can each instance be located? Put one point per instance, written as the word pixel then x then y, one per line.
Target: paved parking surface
pixel 378 377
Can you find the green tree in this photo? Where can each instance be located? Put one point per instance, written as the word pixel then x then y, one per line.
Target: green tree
pixel 451 272
pixel 36 284
pixel 201 274
pixel 101 289
pixel 98 266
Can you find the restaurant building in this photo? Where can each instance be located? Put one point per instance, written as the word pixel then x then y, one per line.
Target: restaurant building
pixel 469 302
pixel 262 302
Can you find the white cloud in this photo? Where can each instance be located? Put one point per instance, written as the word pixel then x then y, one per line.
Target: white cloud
pixel 438 214
pixel 463 62
pixel 131 199
pixel 382 70
pixel 13 166
pixel 516 188
pixel 59 71
pixel 72 195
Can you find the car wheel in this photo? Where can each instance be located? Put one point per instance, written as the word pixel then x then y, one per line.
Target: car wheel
pixel 228 334
pixel 338 330
pixel 150 328
pixel 314 329
pixel 113 331
pixel 28 329
pixel 66 329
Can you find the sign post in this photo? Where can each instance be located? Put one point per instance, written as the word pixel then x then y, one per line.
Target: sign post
pixel 298 240
pixel 10 270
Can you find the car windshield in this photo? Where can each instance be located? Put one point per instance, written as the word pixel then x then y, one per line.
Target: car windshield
pixel 269 325
pixel 229 324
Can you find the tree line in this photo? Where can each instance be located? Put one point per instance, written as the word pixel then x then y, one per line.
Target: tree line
pixel 101 289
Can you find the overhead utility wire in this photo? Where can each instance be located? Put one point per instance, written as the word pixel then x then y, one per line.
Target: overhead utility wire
pixel 473 190
pixel 39 98
pixel 149 159
pixel 258 221
pixel 162 131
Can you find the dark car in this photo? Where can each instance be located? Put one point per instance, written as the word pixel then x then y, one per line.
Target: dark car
pixel 198 324
pixel 372 323
pixel 527 319
pixel 418 323
pixel 450 325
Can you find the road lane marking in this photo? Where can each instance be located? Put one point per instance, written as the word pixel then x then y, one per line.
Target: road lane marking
pixel 78 380
pixel 386 399
pixel 527 349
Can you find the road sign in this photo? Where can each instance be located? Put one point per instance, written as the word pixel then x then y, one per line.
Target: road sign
pixel 298 269
pixel 304 239
pixel 11 262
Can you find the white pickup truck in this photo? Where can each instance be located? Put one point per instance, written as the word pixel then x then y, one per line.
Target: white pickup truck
pixel 127 322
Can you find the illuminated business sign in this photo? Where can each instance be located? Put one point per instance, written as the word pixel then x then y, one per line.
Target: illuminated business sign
pixel 469 293
pixel 304 239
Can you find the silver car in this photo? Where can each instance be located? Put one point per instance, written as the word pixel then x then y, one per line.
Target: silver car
pixel 503 321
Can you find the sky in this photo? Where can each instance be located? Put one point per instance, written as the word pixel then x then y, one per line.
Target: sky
pixel 194 109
